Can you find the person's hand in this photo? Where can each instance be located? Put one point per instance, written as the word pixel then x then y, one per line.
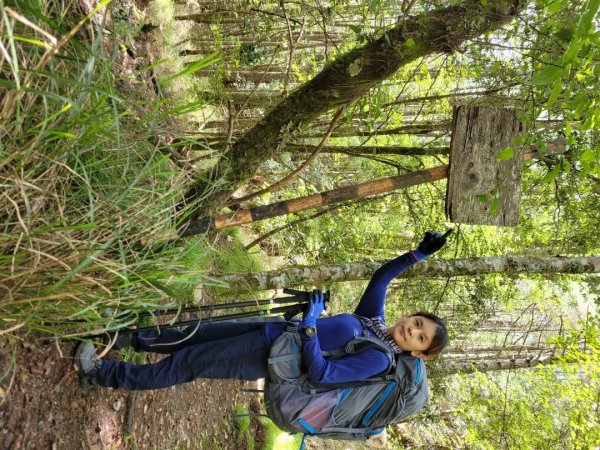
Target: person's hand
pixel 432 242
pixel 314 308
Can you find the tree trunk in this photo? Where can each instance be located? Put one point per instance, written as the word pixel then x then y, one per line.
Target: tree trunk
pixel 370 150
pixel 503 364
pixel 451 351
pixel 352 192
pixel 457 94
pixel 346 79
pixel 417 129
pixel 317 275
pixel 250 98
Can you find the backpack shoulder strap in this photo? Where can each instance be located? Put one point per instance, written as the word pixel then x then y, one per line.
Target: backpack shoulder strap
pixel 356 345
pixel 360 343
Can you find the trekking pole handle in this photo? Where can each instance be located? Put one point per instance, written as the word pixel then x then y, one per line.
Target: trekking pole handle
pixel 304 296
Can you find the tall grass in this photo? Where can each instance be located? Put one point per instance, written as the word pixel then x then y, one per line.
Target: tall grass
pixel 81 181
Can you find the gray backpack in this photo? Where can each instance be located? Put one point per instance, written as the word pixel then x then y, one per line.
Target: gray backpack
pixel 355 410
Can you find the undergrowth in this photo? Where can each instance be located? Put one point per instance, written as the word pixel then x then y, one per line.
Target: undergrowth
pixel 84 182
pixel 260 433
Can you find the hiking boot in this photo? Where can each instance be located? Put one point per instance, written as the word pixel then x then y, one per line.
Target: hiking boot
pixel 87 363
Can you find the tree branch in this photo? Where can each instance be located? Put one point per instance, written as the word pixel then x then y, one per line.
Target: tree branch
pixel 287 178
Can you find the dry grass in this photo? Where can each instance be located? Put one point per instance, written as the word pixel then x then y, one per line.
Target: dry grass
pixel 81 181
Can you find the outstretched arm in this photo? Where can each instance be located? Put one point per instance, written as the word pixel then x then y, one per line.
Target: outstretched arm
pixel 372 301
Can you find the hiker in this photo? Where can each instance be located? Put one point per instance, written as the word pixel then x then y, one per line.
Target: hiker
pixel 240 349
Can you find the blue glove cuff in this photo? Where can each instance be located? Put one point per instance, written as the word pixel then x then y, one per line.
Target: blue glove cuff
pixel 419 256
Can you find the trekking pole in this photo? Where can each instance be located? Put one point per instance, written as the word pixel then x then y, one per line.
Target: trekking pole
pixel 288 311
pixel 296 297
pixel 293 305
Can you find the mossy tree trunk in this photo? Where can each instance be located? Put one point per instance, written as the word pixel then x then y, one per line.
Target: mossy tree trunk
pixel 346 79
pixel 317 275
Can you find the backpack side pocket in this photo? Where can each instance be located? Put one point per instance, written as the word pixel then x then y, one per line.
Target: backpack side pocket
pixel 285 358
pixel 296 411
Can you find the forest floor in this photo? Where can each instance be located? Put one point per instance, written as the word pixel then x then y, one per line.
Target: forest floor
pixel 45 407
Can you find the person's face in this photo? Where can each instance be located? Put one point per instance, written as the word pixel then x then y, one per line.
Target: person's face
pixel 414 334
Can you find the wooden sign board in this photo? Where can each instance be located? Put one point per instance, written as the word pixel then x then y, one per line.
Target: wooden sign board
pixel 484 189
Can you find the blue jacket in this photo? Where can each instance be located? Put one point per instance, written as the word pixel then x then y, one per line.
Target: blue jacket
pixel 334 332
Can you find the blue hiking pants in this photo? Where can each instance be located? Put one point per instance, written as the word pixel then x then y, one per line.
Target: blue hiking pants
pixel 219 350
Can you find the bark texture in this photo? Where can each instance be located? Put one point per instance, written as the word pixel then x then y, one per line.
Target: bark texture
pixel 479 133
pixel 346 79
pixel 371 150
pixel 316 275
pixel 503 364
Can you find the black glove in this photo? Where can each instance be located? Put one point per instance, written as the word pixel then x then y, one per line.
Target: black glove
pixel 432 242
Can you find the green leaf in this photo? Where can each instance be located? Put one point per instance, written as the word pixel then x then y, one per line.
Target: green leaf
pixel 586 168
pixel 556 90
pixel 155 65
pixel 162 287
pixel 48 119
pixel 552 174
pixel 545 76
pixel 572 50
pixel 590 123
pixel 65 134
pixel 588 156
pixel 354 68
pixel 32 41
pixel 585 24
pixel 209 59
pixel 494 207
pixel 183 109
pixel 410 42
pixel 356 29
pixel 554 6
pixel 564 34
pixel 580 104
pixel 505 154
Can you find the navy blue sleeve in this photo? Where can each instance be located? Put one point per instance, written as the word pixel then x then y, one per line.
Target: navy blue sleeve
pixel 356 367
pixel 372 301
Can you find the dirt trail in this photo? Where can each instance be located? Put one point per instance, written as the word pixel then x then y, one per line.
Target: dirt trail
pixel 44 407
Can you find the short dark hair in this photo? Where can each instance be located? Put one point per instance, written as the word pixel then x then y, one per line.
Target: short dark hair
pixel 441 338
